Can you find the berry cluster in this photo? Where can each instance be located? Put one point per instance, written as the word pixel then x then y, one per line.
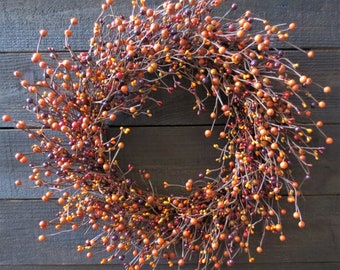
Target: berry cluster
pixel 258 94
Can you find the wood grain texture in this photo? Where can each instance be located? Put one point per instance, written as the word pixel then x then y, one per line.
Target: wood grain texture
pixel 23 20
pixel 19 231
pixel 172 154
pixel 276 266
pixel 262 266
pixel 173 136
pixel 177 107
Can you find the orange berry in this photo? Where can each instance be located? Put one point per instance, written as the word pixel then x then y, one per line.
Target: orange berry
pixel 213 115
pixel 147 175
pixel 282 238
pixel 256 197
pixel 68 33
pixel 207 133
pixel 18 182
pixel 42 64
pixel 132 109
pixel 24 159
pixel 284 165
pixel 41 238
pixel 66 64
pixel 292 26
pixel 20 124
pixel 124 89
pixel 114 197
pixel 270 112
pixel 6 118
pixel 222 50
pixel 278 227
pixel 301 224
pixel 327 89
pixel 112 117
pixel 319 124
pixel 274 146
pixel 36 57
pixel 322 104
pixel 214 245
pixel 150 199
pixel 258 38
pixel 329 140
pixel 74 21
pixel 181 262
pixel 160 241
pixel 296 215
pixel 43 224
pixel 43 32
pixel 223 134
pixel 106 167
pixel 18 156
pixel 17 73
pixel 61 200
pixel 310 54
pixel 193 221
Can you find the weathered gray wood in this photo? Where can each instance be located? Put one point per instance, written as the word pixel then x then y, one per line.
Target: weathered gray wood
pixel 172 154
pixel 177 107
pixel 276 266
pixel 19 230
pixel 178 151
pixel 318 21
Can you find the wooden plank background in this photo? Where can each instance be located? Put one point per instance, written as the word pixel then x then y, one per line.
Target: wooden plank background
pixel 172 136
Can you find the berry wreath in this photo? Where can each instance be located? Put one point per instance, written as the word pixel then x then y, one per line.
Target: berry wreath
pixel 257 94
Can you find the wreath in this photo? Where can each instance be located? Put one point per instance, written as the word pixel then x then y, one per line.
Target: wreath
pixel 260 99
